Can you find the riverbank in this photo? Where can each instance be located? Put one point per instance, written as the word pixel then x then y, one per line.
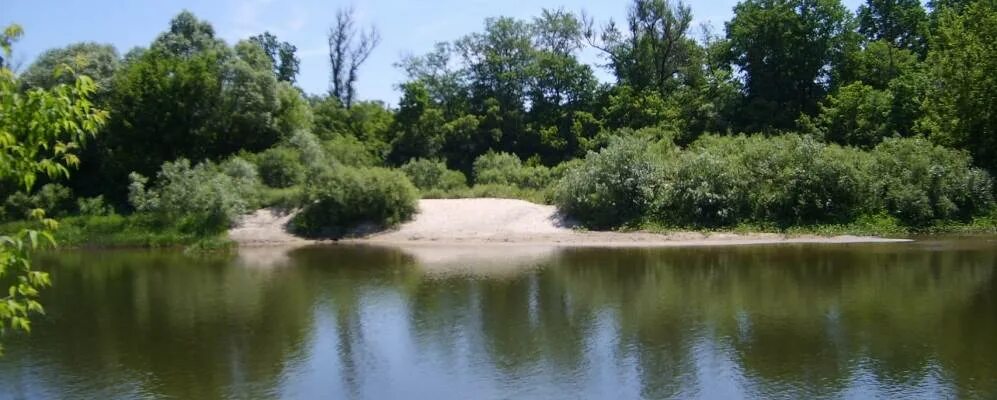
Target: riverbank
pixel 488 221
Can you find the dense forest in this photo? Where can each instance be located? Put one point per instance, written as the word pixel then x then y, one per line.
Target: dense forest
pixel 800 113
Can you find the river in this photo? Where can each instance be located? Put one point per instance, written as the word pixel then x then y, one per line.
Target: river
pixel 902 320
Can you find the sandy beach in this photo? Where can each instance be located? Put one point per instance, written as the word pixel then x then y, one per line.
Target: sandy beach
pixel 504 221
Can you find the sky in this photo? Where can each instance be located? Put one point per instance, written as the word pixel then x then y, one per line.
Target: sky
pixel 406 27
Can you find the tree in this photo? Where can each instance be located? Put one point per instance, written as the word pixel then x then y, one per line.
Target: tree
pixel 418 125
pixel 39 131
pixel 447 86
pixel 285 62
pixel 654 52
pixel 98 61
pixel 789 52
pixel 960 107
pixel 349 48
pixel 189 95
pixel 901 23
pixel 857 115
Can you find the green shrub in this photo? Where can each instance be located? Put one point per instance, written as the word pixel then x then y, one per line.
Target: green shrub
pixel 708 188
pixel 348 150
pixel 94 206
pixel 786 180
pixel 309 150
pixel 807 182
pixel 919 182
pixel 497 168
pixel 344 199
pixel 615 186
pixel 204 191
pixel 433 175
pixel 280 167
pixel 506 169
pixel 56 200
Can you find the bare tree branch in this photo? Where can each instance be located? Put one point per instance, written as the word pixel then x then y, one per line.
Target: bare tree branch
pixel 349 48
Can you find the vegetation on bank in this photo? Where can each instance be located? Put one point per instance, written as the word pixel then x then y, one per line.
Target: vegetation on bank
pixel 878 121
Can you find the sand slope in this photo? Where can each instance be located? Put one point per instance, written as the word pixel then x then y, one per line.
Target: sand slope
pixel 505 221
pixel 264 227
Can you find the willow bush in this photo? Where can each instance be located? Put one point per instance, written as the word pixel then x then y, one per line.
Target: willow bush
pixel 612 187
pixel 342 200
pixel 430 175
pixel 784 181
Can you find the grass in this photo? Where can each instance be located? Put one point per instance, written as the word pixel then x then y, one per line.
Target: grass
pixel 868 225
pixel 136 230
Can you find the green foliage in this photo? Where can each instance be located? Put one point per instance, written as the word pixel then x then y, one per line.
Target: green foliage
pixel 189 95
pixel 217 194
pixel 39 131
pixel 345 200
pixel 856 115
pixel 433 175
pixel 93 206
pixel 98 61
pixel 348 150
pixel 782 181
pixel 654 52
pixel 919 183
pixel 293 111
pixel 281 167
pixel 310 151
pixel 901 23
pixel 786 180
pixel 507 169
pixel 133 230
pixel 960 107
pixel 613 187
pixel 56 200
pixel 281 55
pixel 788 51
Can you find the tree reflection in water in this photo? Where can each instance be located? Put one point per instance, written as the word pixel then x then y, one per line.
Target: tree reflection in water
pixel 795 321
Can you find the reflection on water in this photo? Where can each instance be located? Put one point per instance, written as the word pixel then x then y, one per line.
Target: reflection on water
pixel 912 320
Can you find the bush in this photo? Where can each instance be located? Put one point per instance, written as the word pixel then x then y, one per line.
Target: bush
pixel 309 149
pixel 343 199
pixel 216 194
pixel 615 186
pixel 53 198
pixel 93 207
pixel 497 168
pixel 806 182
pixel 918 182
pixel 507 169
pixel 280 167
pixel 348 150
pixel 786 180
pixel 857 115
pixel 707 188
pixel 433 175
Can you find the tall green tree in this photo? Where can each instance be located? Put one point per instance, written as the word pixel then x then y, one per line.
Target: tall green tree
pixel 960 108
pixel 901 23
pixel 418 126
pixel 653 51
pixel 788 51
pixel 40 130
pixel 188 95
pixel 281 54
pixel 98 61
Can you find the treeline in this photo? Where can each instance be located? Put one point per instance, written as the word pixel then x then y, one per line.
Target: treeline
pixel 825 96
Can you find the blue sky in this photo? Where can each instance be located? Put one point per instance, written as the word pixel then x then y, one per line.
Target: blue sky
pixel 407 27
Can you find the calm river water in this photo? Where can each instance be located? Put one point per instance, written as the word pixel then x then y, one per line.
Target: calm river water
pixel 911 320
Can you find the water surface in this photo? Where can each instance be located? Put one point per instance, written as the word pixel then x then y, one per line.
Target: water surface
pixel 909 320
